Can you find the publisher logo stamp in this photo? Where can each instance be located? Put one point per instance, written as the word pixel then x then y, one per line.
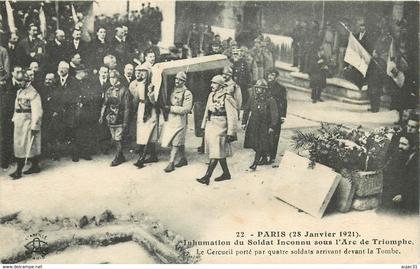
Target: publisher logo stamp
pixel 37 245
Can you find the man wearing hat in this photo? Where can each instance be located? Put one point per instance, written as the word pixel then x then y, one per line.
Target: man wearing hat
pixel 147 122
pixel 175 128
pixel 232 88
pixel 259 120
pixel 27 120
pixel 278 92
pixel 115 111
pixel 220 124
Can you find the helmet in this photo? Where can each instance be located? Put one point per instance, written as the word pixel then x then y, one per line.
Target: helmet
pixel 182 76
pixel 218 79
pixel 261 83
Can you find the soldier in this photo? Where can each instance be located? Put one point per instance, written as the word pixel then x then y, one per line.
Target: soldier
pixel 147 115
pixel 233 89
pixel 175 128
pixel 260 119
pixel 116 111
pixel 27 131
pixel 278 92
pixel 241 74
pixel 220 124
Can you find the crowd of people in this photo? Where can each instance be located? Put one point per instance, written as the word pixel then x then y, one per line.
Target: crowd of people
pixel 69 97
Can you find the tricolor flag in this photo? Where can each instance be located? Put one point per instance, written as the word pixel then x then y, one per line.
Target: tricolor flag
pixel 356 55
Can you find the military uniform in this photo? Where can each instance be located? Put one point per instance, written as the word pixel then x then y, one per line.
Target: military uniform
pixel 117 110
pixel 242 76
pixel 220 120
pixel 27 117
pixel 175 128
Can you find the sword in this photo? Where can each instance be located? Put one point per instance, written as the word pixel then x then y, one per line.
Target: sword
pixel 29 149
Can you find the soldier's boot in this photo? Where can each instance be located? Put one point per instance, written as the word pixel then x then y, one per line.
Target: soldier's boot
pixel 34 167
pixel 254 165
pixel 206 178
pixel 183 160
pixel 153 156
pixel 18 173
pixel 169 168
pixel 201 148
pixel 225 168
pixel 140 160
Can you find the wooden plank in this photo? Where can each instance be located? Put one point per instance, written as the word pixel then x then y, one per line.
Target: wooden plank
pixel 309 189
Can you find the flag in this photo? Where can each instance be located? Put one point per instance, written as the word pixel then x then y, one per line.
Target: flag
pixel 356 55
pixel 390 63
pixel 42 22
pixel 74 14
pixel 10 18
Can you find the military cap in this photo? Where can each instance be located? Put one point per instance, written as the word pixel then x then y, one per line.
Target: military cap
pixel 182 76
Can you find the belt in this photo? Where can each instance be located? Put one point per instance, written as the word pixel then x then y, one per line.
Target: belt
pixel 218 114
pixel 141 101
pixel 23 110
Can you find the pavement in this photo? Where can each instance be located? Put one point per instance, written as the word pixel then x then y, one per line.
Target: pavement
pixel 244 204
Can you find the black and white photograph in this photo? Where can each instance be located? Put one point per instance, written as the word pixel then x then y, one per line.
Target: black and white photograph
pixel 209 132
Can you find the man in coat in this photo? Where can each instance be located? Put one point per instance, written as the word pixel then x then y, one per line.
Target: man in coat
pixel 260 119
pixel 70 92
pixel 16 53
pixel 99 84
pixel 278 92
pixel 147 115
pixel 56 51
pixel 220 124
pixel 77 46
pixel 115 111
pixel 7 107
pixel 375 81
pixel 27 120
pixel 401 182
pixel 317 73
pixel 99 48
pixel 34 47
pixel 52 126
pixel 175 128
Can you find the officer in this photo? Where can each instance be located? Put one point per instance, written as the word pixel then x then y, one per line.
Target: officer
pixel 27 130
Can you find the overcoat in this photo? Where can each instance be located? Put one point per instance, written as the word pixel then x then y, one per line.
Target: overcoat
pixel 220 120
pixel 260 114
pixel 27 117
pixel 175 128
